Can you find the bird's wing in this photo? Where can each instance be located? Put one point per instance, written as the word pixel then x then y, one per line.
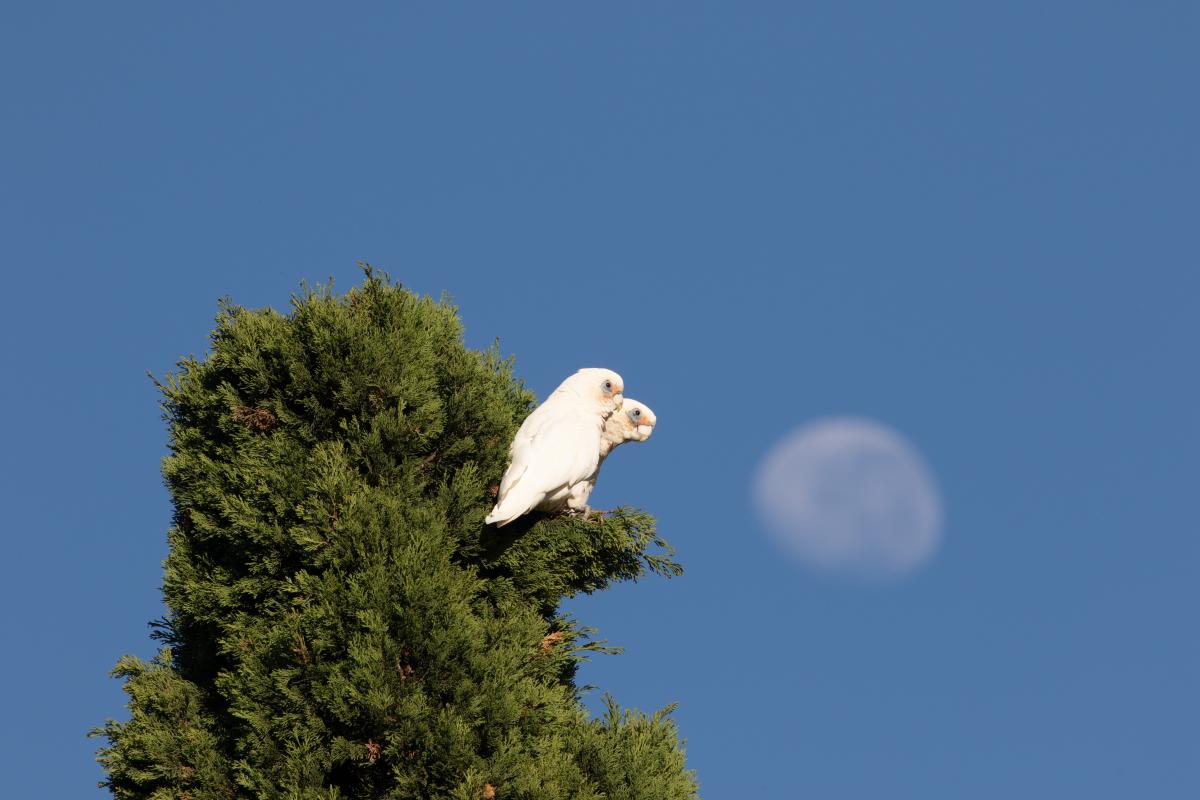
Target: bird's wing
pixel 521 451
pixel 557 449
pixel 563 454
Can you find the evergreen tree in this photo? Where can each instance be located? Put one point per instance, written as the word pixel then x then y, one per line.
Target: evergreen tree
pixel 341 624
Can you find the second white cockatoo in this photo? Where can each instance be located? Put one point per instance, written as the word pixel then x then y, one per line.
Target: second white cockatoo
pixel 632 422
pixel 558 445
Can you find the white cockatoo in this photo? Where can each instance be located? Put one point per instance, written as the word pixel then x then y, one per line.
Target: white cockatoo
pixel 558 445
pixel 632 422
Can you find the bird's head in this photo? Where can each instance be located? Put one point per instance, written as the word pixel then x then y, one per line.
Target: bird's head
pixel 633 421
pixel 602 386
pixel 639 418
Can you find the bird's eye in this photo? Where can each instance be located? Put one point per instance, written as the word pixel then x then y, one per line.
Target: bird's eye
pixel 608 386
pixel 635 413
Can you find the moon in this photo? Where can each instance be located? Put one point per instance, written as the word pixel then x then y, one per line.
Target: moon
pixel 850 495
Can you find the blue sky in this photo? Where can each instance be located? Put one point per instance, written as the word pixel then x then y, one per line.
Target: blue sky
pixel 974 223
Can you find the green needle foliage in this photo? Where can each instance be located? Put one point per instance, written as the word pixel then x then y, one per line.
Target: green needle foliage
pixel 342 624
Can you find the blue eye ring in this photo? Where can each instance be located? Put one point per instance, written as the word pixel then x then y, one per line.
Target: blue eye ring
pixel 635 413
pixel 608 386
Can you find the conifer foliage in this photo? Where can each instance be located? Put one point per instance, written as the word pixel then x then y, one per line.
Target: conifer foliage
pixel 341 624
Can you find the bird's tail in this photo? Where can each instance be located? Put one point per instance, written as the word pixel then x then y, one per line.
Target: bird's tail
pixel 508 509
pixel 499 517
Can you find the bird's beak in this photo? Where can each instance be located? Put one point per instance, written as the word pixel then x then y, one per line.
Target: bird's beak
pixel 644 432
pixel 618 399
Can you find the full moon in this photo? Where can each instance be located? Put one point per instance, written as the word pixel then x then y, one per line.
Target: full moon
pixel 850 495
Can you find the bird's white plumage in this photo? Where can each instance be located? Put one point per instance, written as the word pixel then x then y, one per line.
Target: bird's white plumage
pixel 634 421
pixel 558 445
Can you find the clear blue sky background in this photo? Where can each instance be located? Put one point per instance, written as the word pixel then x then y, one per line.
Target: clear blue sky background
pixel 975 223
